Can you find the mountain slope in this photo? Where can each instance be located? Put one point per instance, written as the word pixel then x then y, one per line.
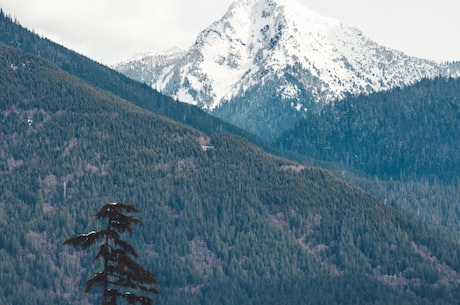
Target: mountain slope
pixel 407 138
pixel 266 58
pixel 102 77
pixel 404 133
pixel 225 223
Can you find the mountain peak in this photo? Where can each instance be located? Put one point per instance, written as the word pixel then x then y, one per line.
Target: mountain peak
pixel 273 33
pixel 290 12
pixel 295 58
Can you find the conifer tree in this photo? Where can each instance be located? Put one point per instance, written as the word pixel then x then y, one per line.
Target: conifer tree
pixel 120 270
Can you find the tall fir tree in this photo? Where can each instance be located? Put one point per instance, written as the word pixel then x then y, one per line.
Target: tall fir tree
pixel 119 268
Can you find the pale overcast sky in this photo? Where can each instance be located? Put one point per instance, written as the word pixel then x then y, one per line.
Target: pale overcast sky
pixel 113 30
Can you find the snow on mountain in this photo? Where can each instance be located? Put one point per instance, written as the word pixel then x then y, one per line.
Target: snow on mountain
pixel 309 58
pixel 147 67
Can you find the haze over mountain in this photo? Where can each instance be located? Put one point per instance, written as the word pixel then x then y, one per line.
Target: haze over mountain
pixel 266 63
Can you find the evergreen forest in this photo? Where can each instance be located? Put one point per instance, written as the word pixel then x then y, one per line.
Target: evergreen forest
pixel 225 220
pixel 405 143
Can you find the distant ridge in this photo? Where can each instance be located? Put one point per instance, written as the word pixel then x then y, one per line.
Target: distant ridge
pixel 105 78
pixel 266 63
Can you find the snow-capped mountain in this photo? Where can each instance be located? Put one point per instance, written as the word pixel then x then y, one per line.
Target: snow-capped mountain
pixel 147 67
pixel 265 62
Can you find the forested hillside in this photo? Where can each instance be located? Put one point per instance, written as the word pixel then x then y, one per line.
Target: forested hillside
pixel 102 77
pixel 407 139
pixel 225 223
pixel 401 134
